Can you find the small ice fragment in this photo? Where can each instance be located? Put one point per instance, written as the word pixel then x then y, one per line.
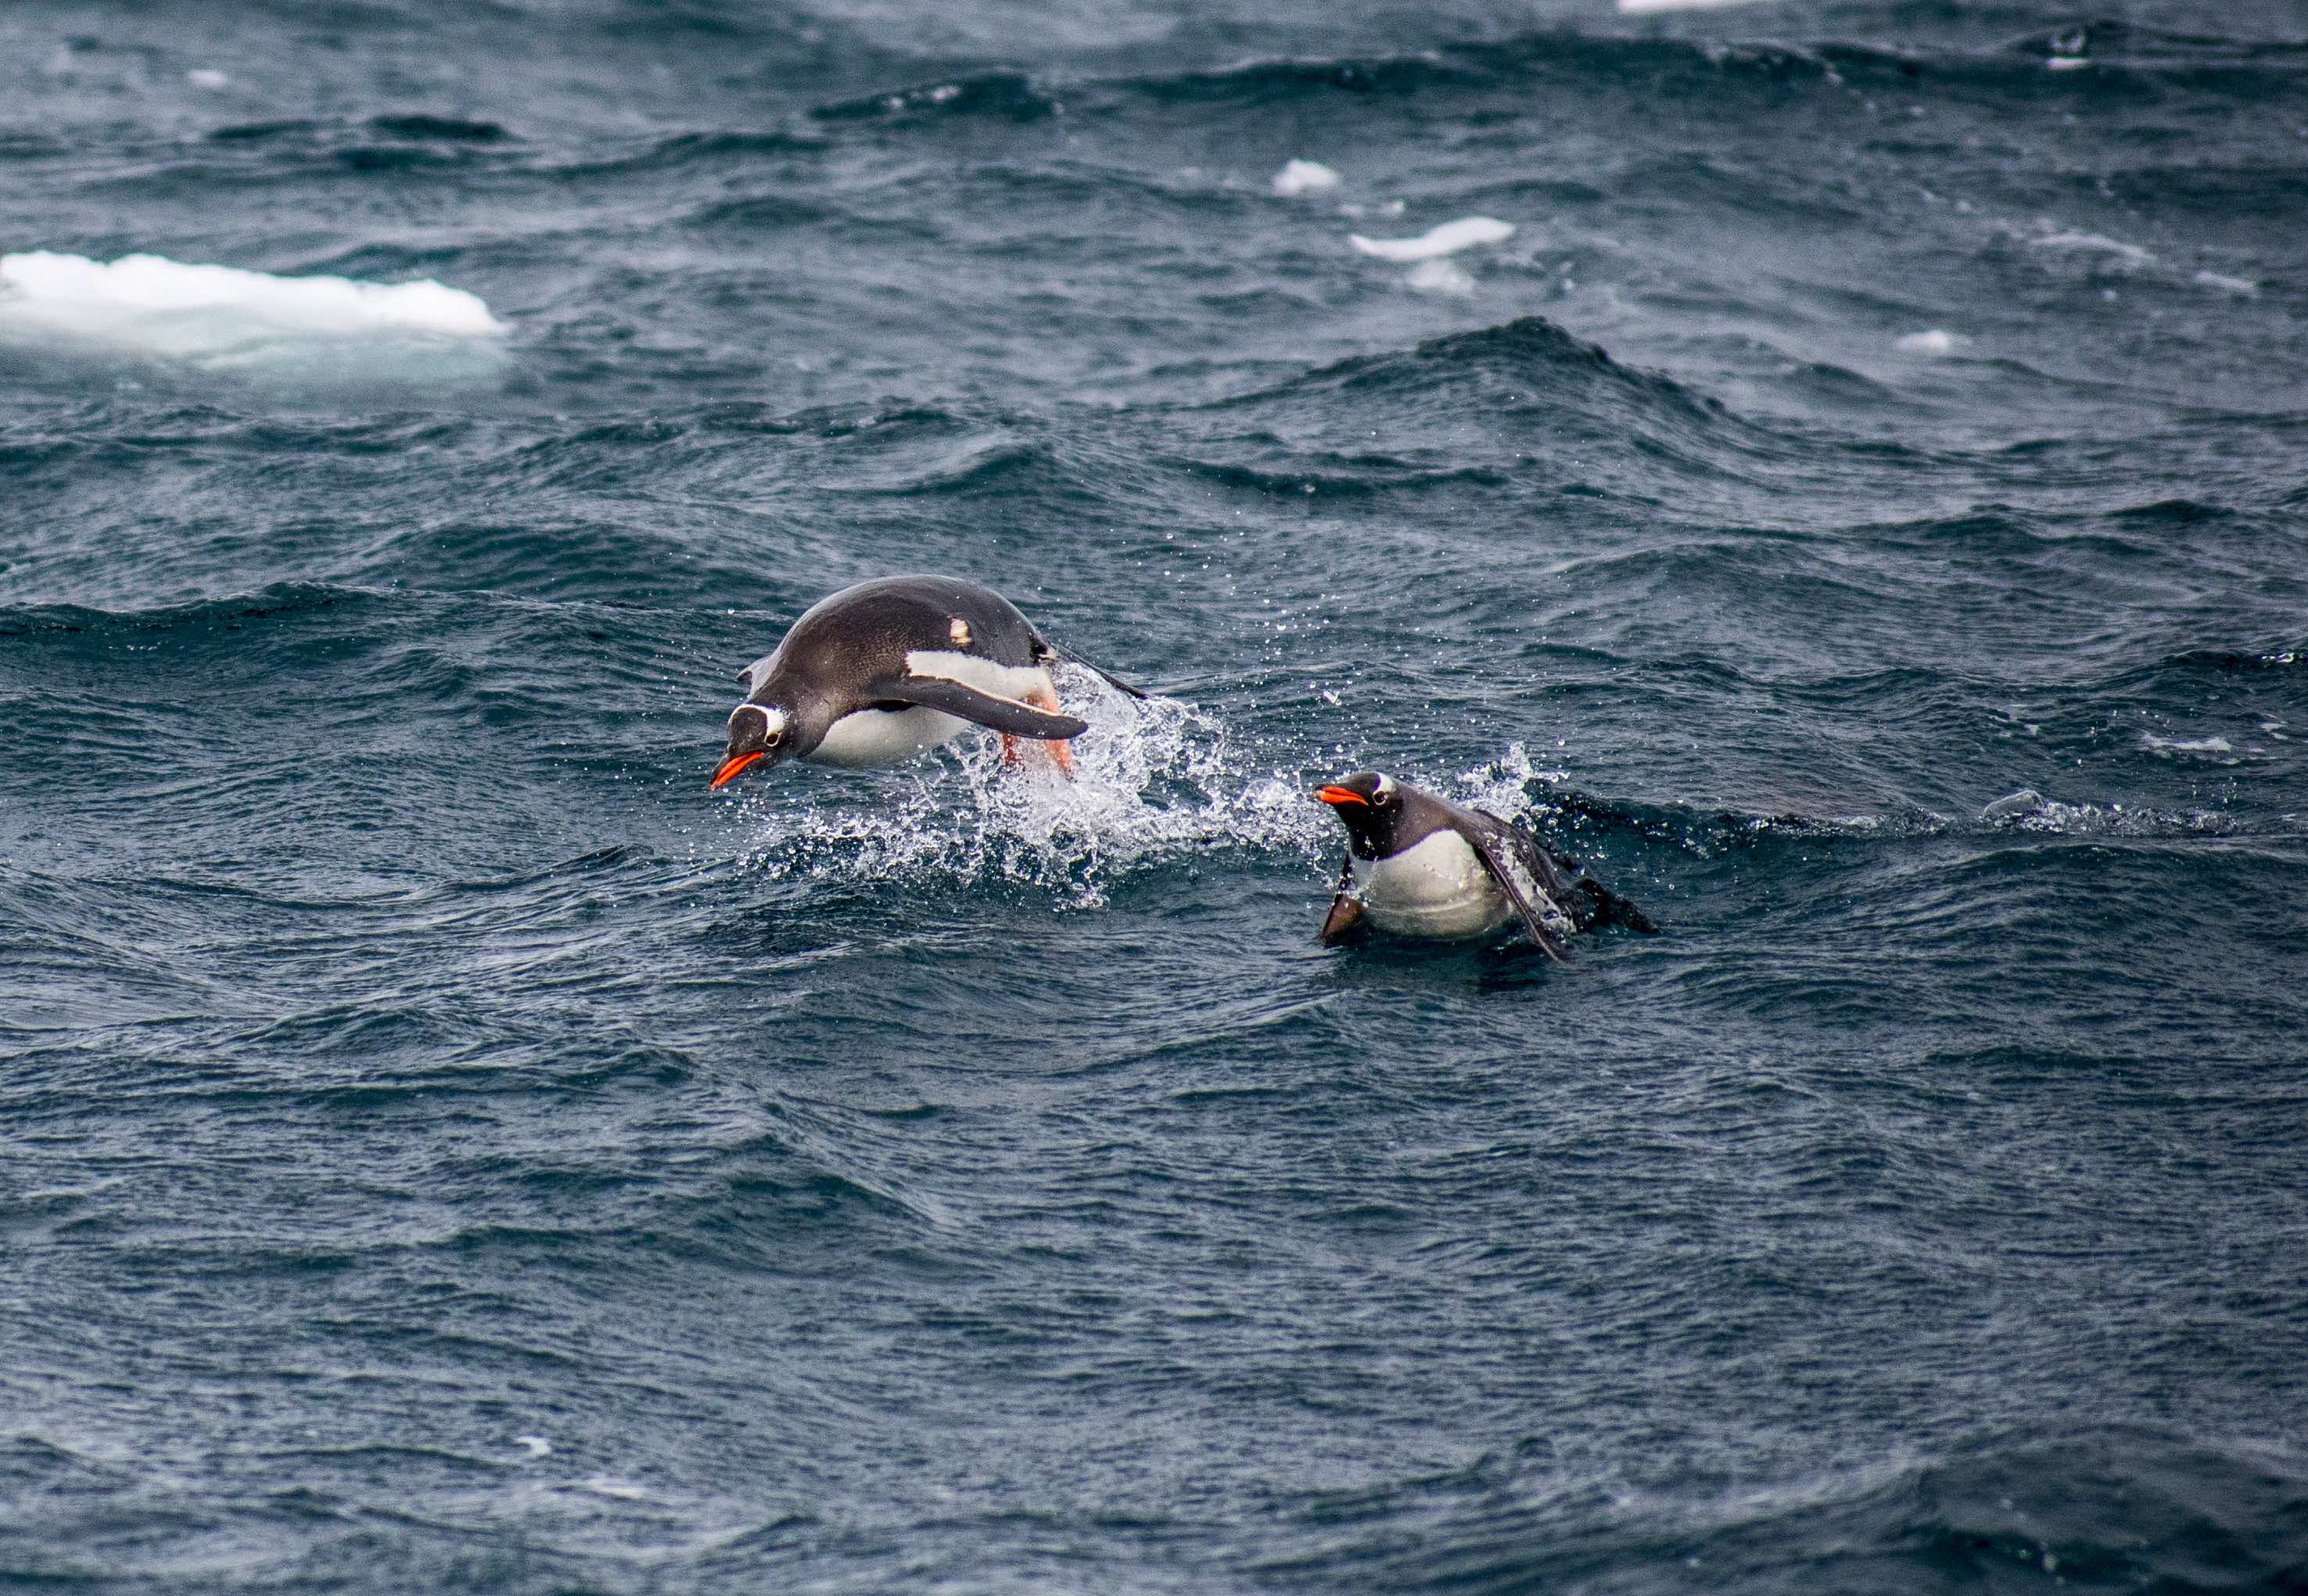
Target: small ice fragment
pixel 2012 806
pixel 2065 63
pixel 1448 239
pixel 1936 341
pixel 206 77
pixel 1439 276
pixel 1330 697
pixel 2231 285
pixel 538 1445
pixel 1305 177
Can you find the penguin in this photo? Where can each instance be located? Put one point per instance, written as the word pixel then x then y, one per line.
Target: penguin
pixel 1438 869
pixel 887 669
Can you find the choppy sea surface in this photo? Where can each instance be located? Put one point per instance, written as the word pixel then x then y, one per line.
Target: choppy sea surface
pixel 1859 508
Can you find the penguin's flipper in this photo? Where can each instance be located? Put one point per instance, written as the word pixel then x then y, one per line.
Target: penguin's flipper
pixel 988 709
pixel 1094 668
pixel 1346 909
pixel 1520 866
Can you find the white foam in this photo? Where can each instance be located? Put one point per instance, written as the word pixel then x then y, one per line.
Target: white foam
pixel 1448 239
pixel 2228 285
pixel 220 314
pixel 1936 341
pixel 2131 254
pixel 206 77
pixel 1305 177
pixel 1440 276
pixel 1640 8
pixel 2216 748
pixel 1503 785
pixel 2013 806
pixel 535 1445
pixel 1154 781
pixel 2066 62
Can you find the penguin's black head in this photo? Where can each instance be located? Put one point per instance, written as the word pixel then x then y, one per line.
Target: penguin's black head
pixel 1370 806
pixel 759 735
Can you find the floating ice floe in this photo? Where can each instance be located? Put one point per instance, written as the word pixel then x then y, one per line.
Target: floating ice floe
pixel 1935 341
pixel 1448 239
pixel 1305 177
pixel 223 315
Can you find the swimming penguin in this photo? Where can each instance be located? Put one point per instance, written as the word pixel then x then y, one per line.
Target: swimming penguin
pixel 891 668
pixel 1440 870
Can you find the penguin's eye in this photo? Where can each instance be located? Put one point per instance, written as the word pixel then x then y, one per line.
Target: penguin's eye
pixel 1381 798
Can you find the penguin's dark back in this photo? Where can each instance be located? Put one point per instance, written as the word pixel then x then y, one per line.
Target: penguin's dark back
pixel 875 624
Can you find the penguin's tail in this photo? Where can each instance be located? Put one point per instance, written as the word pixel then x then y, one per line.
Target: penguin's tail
pixel 1605 907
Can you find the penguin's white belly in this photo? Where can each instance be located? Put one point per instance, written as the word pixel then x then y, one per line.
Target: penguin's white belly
pixel 1437 888
pixel 865 738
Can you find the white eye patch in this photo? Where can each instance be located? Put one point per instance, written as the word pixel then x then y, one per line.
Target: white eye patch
pixel 774 719
pixel 1386 785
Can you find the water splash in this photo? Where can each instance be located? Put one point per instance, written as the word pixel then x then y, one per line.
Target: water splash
pixel 1155 781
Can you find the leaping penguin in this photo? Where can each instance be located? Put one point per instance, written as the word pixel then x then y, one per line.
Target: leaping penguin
pixel 1440 869
pixel 887 669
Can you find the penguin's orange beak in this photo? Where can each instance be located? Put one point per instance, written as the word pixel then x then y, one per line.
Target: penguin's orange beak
pixel 1335 797
pixel 732 765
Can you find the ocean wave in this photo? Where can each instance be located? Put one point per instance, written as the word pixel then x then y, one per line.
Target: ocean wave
pixel 1002 96
pixel 1528 363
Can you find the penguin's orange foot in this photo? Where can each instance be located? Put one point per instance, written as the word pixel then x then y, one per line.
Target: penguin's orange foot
pixel 1010 750
pixel 1062 753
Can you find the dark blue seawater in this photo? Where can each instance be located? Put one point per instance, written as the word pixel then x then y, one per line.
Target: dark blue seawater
pixel 1862 509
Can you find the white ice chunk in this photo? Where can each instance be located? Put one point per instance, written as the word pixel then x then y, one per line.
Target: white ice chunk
pixel 1305 177
pixel 1440 276
pixel 152 306
pixel 1935 341
pixel 73 289
pixel 1448 239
